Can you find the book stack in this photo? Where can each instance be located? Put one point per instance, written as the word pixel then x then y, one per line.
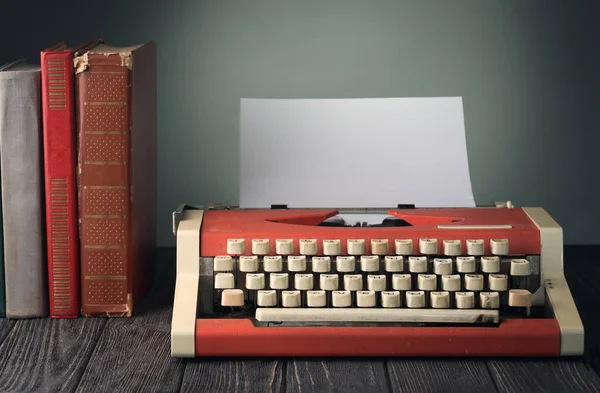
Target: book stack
pixel 78 181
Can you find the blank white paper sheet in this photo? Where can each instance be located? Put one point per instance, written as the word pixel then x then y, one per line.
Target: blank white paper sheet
pixel 366 152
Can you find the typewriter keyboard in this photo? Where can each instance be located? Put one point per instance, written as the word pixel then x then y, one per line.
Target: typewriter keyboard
pixel 430 288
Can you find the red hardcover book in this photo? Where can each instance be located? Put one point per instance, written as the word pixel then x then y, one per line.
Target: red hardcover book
pixel 116 117
pixel 60 179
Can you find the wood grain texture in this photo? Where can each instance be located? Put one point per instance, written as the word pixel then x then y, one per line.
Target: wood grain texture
pixel 336 375
pixel 47 355
pixel 6 326
pixel 544 375
pixel 440 375
pixel 133 354
pixel 233 375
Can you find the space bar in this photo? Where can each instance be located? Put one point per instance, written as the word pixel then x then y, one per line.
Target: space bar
pixel 473 316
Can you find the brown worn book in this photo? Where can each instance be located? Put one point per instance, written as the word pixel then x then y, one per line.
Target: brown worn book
pixel 116 94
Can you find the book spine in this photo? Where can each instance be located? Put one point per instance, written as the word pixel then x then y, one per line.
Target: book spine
pixel 22 194
pixel 60 164
pixel 104 187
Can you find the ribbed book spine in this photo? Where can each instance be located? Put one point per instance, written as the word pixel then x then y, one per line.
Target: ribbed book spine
pixel 22 193
pixel 60 163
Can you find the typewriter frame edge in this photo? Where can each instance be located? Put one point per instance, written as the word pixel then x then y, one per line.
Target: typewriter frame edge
pixel 558 294
pixel 183 335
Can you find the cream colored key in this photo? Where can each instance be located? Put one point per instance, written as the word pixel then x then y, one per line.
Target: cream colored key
pixel 365 299
pixel 232 298
pixel 427 282
pixel 223 263
pixel 353 282
pixel 332 247
pixel 255 281
pixel 404 246
pixel 474 282
pixel 417 264
pixel 224 281
pixel 260 246
pixel 394 263
pixel 442 266
pixel 273 263
pixel 321 264
pixel 499 246
pixel 440 299
pixel 279 281
pixel 316 299
pixel 284 246
pixel 329 282
pixel 304 282
pixel 341 299
pixel 248 263
pixel 465 299
pixel 489 300
pixel 308 246
pixel 498 282
pixel 236 246
pixel 465 264
pixel 290 298
pixel 346 264
pixel 296 263
pixel 520 267
pixel 490 264
pixel 451 282
pixel 401 282
pixel 415 299
pixel 452 247
pixel 355 246
pixel 369 263
pixel 376 282
pixel 519 298
pixel 379 246
pixel 428 246
pixel 475 247
pixel 390 299
pixel 266 298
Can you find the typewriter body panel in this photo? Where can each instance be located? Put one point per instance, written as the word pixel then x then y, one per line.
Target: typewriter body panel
pixel 485 281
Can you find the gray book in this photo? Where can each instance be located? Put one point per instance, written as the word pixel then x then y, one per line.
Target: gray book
pixel 22 191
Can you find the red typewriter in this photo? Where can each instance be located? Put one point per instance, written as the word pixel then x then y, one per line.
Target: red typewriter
pixel 484 281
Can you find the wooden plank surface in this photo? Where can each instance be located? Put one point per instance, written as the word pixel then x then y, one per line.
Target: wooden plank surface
pixel 6 326
pixel 544 375
pixel 46 354
pixel 336 375
pixel 133 354
pixel 435 375
pixel 233 375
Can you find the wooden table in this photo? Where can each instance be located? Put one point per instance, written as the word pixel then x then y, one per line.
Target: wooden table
pixel 133 355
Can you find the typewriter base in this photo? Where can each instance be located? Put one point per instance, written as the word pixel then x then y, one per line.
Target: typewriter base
pixel 514 337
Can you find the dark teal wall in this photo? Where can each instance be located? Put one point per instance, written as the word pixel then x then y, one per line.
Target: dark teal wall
pixel 527 70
